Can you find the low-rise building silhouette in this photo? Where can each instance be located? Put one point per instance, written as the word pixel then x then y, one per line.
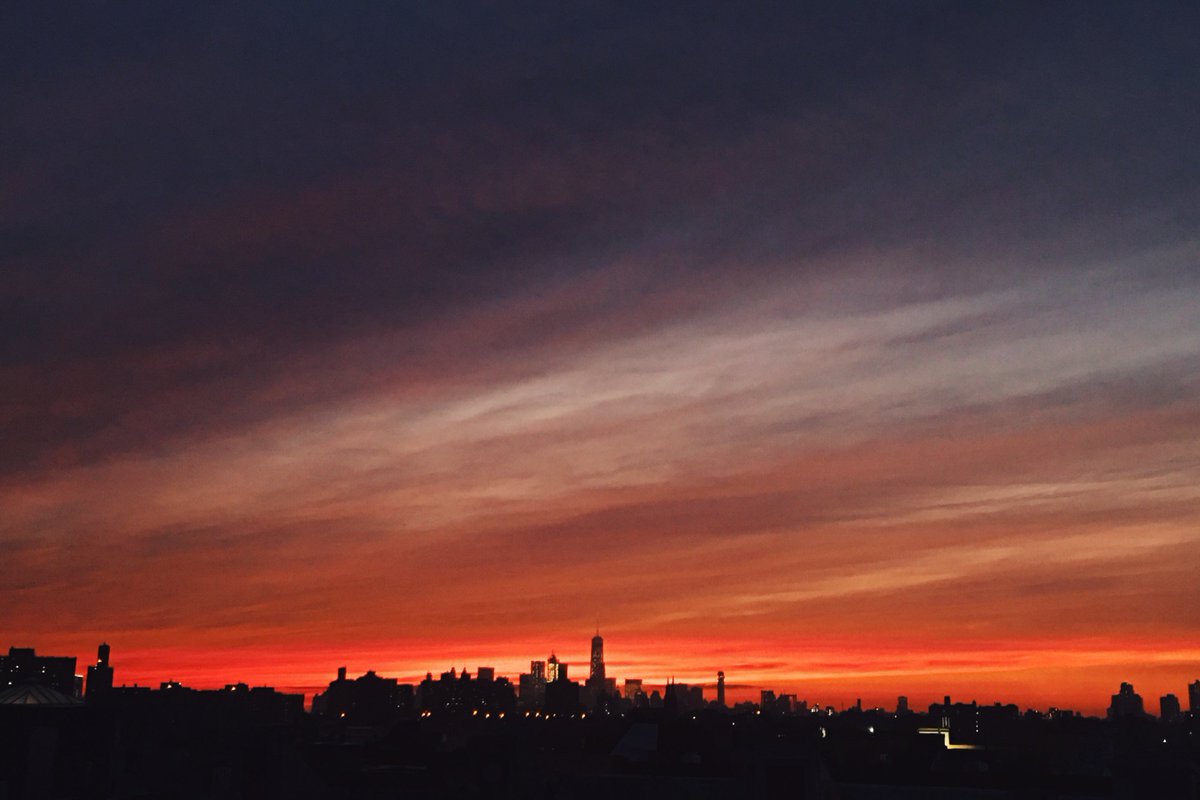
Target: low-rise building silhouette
pixel 457 694
pixel 367 700
pixel 24 665
pixel 563 696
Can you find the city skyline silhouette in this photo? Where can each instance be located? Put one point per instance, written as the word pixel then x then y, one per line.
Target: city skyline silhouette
pixel 24 666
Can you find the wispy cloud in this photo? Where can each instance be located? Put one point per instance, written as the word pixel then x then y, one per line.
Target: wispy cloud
pixel 331 326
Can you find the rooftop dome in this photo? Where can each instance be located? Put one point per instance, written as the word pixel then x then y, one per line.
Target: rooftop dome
pixel 32 694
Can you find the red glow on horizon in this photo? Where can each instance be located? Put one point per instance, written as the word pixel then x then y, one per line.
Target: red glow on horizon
pixel 1074 676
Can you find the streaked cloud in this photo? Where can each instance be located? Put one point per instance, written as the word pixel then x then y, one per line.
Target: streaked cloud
pixel 759 355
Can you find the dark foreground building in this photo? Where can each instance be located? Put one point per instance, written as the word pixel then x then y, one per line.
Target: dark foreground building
pixel 99 675
pixel 242 742
pixel 136 743
pixel 24 665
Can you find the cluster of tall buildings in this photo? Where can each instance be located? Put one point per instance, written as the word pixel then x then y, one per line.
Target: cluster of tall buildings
pixel 1127 703
pixel 547 685
pixel 546 688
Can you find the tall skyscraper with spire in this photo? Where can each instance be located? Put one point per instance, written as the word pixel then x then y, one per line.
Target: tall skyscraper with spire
pixel 596 676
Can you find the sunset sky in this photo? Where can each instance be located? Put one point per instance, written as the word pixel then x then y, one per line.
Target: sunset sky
pixel 853 349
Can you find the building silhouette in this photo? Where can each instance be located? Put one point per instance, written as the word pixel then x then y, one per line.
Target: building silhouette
pixel 1168 708
pixel 532 686
pixel 599 689
pixel 457 694
pixel 721 688
pixel 23 665
pixel 1126 703
pixel 367 700
pixel 99 675
pixel 562 695
pixel 681 698
pixel 1194 697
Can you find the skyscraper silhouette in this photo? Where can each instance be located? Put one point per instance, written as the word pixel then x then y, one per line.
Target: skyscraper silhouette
pixel 721 688
pixel 596 676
